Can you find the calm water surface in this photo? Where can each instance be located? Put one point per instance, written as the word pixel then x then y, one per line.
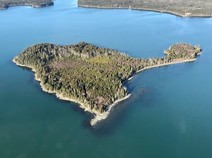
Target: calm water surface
pixel 168 116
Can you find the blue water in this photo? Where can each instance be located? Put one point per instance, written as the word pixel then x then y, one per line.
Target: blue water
pixel 168 115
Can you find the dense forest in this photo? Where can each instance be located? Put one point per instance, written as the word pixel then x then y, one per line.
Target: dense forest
pixel 92 75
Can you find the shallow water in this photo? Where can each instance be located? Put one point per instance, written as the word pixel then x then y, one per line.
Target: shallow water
pixel 168 115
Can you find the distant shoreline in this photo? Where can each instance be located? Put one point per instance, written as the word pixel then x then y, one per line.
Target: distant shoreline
pixel 46 3
pixel 39 4
pixel 189 15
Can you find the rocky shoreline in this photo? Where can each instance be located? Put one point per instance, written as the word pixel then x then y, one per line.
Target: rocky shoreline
pixel 95 94
pixel 97 116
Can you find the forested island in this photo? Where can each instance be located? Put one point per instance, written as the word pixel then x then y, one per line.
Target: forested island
pixel 92 76
pixel 192 8
pixel 4 4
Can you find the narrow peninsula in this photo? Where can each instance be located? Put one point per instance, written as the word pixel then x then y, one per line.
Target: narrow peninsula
pixel 4 4
pixel 188 8
pixel 92 76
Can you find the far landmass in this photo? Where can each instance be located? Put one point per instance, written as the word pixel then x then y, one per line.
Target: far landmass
pixel 92 76
pixel 191 8
pixel 4 4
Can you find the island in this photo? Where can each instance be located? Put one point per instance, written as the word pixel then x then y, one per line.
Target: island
pixel 188 8
pixel 4 4
pixel 92 76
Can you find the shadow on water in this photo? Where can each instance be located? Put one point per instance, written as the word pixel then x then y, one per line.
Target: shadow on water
pixel 117 117
pixel 140 98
